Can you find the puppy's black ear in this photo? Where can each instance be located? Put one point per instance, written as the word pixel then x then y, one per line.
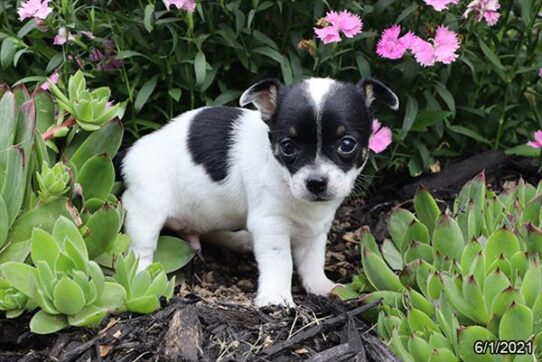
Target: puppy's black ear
pixel 374 90
pixel 264 96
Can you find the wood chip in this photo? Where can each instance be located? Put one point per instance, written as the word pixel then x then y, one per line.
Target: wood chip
pixel 104 349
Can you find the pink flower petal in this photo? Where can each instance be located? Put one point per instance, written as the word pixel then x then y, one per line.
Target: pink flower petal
pixel 440 5
pixel 327 35
pixel 380 138
pixel 537 143
pixel 390 45
pixel 188 5
pixel 540 72
pixel 38 9
pixel 446 44
pixel 62 36
pixel 484 9
pixel 52 79
pixel 423 52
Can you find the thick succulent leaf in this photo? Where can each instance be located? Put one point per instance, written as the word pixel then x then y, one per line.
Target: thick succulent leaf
pixel 368 240
pixel 516 323
pixel 533 239
pixel 504 300
pixel 455 297
pixel 437 340
pixel 45 109
pixel 103 227
pixel 531 212
pixel 14 176
pixel 21 276
pixel 418 301
pixel 173 253
pixel 495 283
pixel 422 274
pixel 17 252
pixel 45 323
pixel 426 208
pixel 69 298
pixel 434 286
pixel 105 140
pixel 447 238
pixel 4 222
pixel 44 247
pixel 378 273
pixel 442 355
pixel 419 321
pixel 8 125
pixel 143 305
pixel 64 229
pixel 532 283
pixel 46 278
pixel 91 315
pixel 390 254
pixel 81 263
pixel 472 294
pixel 399 348
pixel 26 125
pixel 398 224
pixel 112 297
pixel 140 284
pixel 417 250
pixel 469 253
pixel 42 216
pixel 97 276
pixel 97 187
pixel 419 348
pixel 501 242
pixel 468 337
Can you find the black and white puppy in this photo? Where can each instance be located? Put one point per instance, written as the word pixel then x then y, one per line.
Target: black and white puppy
pixel 279 172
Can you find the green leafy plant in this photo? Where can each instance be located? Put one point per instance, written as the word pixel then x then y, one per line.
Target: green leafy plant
pixel 467 275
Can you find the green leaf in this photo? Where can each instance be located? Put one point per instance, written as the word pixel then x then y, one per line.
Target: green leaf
pixel 148 17
pixel 175 93
pixel 143 305
pixel 112 298
pixel 501 242
pixel 97 187
pixel 173 253
pixel 410 116
pixel 4 223
pixel 103 227
pixel 10 45
pixel 398 224
pixel 144 93
pixel 15 251
pixel 42 216
pixel 105 140
pixel 89 316
pixel 200 67
pixel 65 228
pixel 11 191
pixel 470 338
pixel 447 238
pixel 68 297
pixel 446 96
pixel 426 208
pixel 378 273
pixel 516 323
pixel 44 247
pixel 45 323
pixel 21 276
pixel 427 118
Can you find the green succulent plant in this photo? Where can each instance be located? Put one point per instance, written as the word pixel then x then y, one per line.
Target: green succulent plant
pixel 13 302
pixel 69 288
pixel 467 275
pixel 53 181
pixel 90 109
pixel 145 288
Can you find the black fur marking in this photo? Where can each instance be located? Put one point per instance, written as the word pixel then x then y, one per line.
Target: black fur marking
pixel 210 139
pixel 344 106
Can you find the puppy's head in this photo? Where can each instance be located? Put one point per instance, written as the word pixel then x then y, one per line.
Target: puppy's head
pixel 319 131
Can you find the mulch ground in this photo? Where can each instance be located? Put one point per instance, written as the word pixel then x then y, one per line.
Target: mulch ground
pixel 211 317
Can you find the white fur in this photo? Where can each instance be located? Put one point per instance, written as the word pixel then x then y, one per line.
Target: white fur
pixel 164 185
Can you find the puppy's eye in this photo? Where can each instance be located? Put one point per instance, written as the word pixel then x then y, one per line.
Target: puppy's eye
pixel 347 146
pixel 288 148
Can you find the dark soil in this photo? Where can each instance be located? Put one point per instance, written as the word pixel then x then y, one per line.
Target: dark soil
pixel 211 318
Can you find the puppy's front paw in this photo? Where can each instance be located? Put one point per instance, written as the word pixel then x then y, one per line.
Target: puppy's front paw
pixel 269 298
pixel 320 286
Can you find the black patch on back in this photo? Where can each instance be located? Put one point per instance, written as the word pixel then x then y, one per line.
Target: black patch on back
pixel 210 139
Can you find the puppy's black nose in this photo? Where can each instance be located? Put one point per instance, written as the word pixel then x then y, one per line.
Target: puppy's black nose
pixel 316 184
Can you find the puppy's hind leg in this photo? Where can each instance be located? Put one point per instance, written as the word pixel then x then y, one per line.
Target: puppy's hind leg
pixel 143 224
pixel 237 241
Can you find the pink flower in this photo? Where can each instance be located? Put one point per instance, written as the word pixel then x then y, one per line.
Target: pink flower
pixel 484 9
pixel 423 52
pixel 540 72
pixel 440 5
pixel 380 137
pixel 391 46
pixel 537 143
pixel 446 44
pixel 188 5
pixel 38 9
pixel 328 34
pixel 442 50
pixel 52 79
pixel 62 36
pixel 347 23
